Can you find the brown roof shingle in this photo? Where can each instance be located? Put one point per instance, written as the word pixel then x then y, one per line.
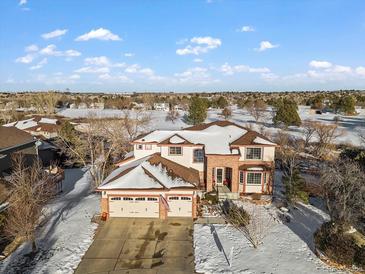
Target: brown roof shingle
pixel 11 136
pixel 248 139
pixel 221 123
pixel 174 170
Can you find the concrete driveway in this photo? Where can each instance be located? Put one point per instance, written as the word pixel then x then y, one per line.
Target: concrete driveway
pixel 136 245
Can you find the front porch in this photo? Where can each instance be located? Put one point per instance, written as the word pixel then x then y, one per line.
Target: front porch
pixel 225 193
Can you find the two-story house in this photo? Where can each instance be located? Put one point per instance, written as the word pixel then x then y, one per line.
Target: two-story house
pixel 169 169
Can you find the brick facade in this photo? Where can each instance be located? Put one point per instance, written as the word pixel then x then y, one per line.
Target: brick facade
pixel 213 161
pixel 163 211
pixel 232 161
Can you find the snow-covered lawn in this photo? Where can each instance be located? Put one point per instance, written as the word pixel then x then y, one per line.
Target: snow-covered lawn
pixel 350 125
pixel 66 235
pixel 285 249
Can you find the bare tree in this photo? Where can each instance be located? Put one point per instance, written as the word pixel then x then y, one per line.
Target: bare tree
pixel 135 125
pixel 254 224
pixel 326 134
pixel 100 142
pixel 308 131
pixel 31 190
pixel 343 187
pixel 45 102
pixel 172 115
pixel 256 109
pixel 226 113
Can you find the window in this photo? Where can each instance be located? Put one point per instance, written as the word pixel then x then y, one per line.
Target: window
pixel 253 153
pixel 173 198
pixel 254 178
pixel 139 147
pixel 127 199
pixel 151 199
pixel 175 150
pixel 186 198
pixel 140 199
pixel 115 199
pixel 147 147
pixel 241 177
pixel 198 156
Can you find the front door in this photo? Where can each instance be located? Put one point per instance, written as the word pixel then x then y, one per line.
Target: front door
pixel 219 175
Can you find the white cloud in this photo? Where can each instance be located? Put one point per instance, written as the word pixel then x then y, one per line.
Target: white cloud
pixel 40 64
pixel 98 61
pixel 128 54
pixel 265 45
pixel 124 79
pixel 71 53
pixel 198 60
pixel 341 69
pixel 230 70
pixel 51 51
pixel 99 34
pixel 101 70
pixel 54 34
pixel 137 69
pixel 22 2
pixel 75 76
pixel 105 76
pixel 25 59
pixel 31 48
pixel 247 29
pixel 269 76
pixel 199 45
pixel 320 64
pixel 360 71
pixel 196 76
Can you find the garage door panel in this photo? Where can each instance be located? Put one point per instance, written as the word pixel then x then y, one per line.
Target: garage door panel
pixel 180 206
pixel 134 207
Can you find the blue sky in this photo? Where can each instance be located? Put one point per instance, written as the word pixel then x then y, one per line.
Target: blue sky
pixel 214 45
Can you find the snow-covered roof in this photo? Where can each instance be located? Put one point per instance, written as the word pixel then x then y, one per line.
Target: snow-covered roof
pixel 32 122
pixel 150 172
pixel 262 141
pixel 24 124
pixel 48 121
pixel 216 138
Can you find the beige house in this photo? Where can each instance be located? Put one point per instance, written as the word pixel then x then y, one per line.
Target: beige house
pixel 168 171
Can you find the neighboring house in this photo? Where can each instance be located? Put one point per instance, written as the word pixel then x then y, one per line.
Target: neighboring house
pixel 39 126
pixel 168 170
pixel 161 106
pixel 14 140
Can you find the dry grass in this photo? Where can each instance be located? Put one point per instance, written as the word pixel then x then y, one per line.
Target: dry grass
pixel 4 191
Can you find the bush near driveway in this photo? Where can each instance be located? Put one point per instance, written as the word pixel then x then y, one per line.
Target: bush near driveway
pixel 339 246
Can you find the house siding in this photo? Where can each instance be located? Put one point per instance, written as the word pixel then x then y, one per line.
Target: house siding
pixel 186 159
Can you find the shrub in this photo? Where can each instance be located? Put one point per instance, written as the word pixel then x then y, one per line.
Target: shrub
pixel 337 246
pixel 360 257
pixel 211 197
pixel 236 215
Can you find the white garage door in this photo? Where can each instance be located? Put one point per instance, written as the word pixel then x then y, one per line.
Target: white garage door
pixel 147 207
pixel 180 206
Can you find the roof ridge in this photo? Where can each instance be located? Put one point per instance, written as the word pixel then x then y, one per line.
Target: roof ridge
pixel 148 173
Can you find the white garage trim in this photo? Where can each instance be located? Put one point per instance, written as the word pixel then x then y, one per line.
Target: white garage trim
pixel 180 205
pixel 134 206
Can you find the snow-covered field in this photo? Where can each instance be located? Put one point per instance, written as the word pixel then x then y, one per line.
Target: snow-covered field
pixel 285 249
pixel 350 125
pixel 66 236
